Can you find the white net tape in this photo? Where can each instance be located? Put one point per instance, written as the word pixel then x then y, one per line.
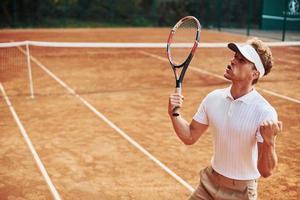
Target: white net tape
pixel 129 45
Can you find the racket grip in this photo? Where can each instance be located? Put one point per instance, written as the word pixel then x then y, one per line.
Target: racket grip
pixel 176 109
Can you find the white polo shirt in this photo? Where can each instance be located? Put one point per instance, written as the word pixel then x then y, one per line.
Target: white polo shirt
pixel 236 123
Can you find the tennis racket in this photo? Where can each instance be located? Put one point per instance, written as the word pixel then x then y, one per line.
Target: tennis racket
pixel 181 46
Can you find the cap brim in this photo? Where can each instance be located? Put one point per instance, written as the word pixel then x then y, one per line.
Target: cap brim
pixel 239 49
pixel 234 47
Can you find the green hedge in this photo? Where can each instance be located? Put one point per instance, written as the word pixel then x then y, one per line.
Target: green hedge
pixel 93 13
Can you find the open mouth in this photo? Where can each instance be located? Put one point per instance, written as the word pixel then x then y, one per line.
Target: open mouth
pixel 228 69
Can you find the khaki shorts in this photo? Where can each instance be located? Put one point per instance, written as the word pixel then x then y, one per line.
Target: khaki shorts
pixel 215 186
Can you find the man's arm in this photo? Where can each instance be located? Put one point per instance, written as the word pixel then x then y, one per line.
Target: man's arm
pixel 267 157
pixel 187 133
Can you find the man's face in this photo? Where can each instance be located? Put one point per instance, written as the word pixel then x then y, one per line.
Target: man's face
pixel 240 69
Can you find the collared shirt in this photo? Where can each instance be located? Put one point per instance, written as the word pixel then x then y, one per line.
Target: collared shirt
pixel 236 125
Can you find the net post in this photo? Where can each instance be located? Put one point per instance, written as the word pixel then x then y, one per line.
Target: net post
pixel 219 11
pixel 29 70
pixel 14 22
pixel 249 16
pixel 284 20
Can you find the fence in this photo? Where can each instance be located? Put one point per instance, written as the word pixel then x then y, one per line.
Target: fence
pixel 278 20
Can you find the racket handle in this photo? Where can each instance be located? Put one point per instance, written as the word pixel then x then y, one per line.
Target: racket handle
pixel 176 109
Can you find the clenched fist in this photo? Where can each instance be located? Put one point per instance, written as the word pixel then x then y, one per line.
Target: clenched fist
pixel 269 129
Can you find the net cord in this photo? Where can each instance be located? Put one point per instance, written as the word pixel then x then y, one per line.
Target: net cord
pixel 131 44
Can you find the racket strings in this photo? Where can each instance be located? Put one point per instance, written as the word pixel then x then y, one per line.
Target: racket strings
pixel 183 41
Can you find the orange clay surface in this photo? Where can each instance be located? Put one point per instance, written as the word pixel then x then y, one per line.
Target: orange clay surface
pixel 87 159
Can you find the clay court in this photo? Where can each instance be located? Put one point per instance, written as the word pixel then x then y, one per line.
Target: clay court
pixel 86 156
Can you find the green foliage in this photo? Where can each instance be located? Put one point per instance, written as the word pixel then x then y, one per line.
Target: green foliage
pixel 73 13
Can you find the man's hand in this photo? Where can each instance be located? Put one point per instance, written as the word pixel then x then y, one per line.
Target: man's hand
pixel 269 130
pixel 175 100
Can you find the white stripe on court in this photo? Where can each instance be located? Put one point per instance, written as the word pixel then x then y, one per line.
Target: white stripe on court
pixel 31 147
pixel 112 125
pixel 221 77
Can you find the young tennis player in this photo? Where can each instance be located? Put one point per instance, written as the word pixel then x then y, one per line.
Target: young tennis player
pixel 245 127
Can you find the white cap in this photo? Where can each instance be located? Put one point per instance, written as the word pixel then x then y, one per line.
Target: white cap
pixel 250 54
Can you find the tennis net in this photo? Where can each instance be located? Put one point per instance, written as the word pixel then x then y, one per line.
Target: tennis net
pixel 21 64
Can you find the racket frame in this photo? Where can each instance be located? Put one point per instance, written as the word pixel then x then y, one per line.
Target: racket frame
pixel 185 64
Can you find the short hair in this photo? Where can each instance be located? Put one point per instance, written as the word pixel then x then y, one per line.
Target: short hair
pixel 264 53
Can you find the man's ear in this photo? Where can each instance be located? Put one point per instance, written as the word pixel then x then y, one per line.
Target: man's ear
pixel 255 74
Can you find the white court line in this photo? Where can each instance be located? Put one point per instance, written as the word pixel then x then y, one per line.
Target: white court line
pixel 31 147
pixel 112 125
pixel 221 77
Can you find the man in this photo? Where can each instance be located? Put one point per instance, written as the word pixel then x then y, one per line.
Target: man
pixel 245 127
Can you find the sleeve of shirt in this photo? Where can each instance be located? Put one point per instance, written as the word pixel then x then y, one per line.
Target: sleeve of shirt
pixel 269 114
pixel 201 114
